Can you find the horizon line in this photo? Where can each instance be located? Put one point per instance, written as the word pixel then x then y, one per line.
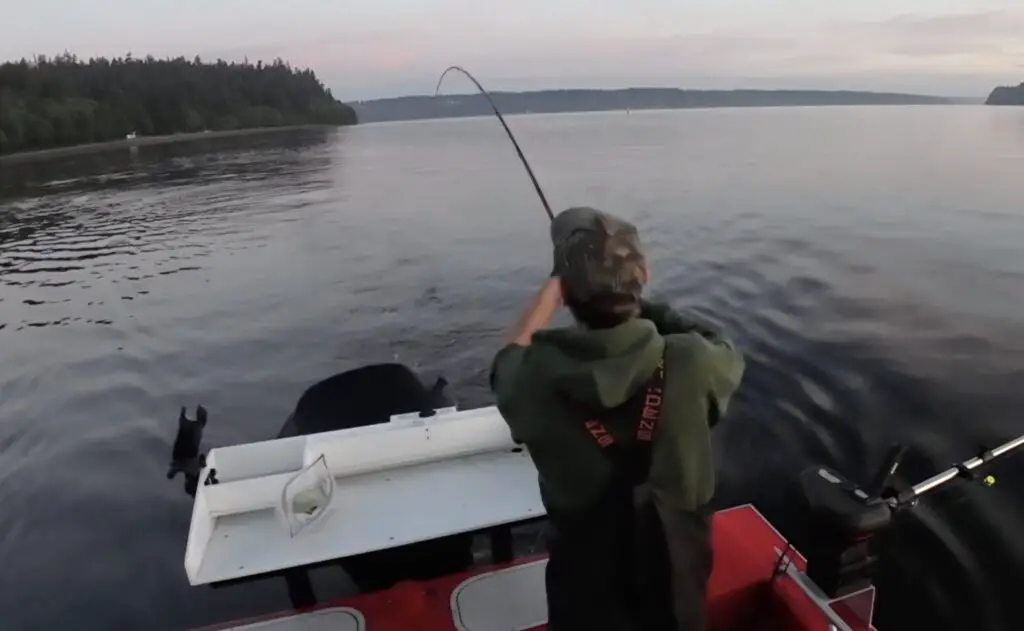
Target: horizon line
pixel 663 87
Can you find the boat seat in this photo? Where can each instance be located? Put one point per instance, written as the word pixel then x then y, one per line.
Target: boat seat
pixel 509 598
pixel 330 619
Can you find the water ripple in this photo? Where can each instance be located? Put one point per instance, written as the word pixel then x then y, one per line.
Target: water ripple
pixel 871 309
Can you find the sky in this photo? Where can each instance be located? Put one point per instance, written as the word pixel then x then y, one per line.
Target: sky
pixel 381 48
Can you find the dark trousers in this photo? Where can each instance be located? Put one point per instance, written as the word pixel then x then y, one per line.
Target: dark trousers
pixel 609 570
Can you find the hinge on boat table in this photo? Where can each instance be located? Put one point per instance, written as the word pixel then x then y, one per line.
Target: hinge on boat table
pixel 434 399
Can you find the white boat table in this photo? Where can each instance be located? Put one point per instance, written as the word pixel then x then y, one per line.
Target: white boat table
pixel 396 483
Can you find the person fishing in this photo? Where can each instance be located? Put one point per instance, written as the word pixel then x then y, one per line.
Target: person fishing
pixel 616 414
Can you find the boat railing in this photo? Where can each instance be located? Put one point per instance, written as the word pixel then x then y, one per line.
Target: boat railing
pixel 821 600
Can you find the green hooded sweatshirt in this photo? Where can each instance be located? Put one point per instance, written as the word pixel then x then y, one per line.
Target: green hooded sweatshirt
pixel 603 369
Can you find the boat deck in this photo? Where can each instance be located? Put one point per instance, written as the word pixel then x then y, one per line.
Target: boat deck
pixel 741 594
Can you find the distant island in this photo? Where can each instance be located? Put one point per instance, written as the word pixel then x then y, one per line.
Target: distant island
pixel 551 101
pixel 63 102
pixel 1007 95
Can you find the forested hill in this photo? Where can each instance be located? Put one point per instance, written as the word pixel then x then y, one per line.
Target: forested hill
pixel 46 103
pixel 1007 95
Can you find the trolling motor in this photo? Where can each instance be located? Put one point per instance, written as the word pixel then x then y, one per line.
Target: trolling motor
pixel 844 518
pixel 185 455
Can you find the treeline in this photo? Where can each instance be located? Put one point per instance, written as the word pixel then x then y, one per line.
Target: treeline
pixel 1007 95
pixel 46 103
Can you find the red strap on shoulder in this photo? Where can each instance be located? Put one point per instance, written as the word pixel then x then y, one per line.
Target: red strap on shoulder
pixel 650 411
pixel 599 433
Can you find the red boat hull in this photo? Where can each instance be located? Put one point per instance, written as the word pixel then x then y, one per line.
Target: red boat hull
pixel 742 593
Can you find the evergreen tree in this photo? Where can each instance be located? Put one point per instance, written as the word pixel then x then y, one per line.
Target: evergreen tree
pixel 64 101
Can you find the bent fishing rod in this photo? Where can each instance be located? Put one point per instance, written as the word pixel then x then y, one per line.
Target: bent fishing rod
pixel 511 136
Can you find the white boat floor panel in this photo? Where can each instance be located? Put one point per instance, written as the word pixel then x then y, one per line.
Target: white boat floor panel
pixel 511 599
pixel 379 510
pixel 331 619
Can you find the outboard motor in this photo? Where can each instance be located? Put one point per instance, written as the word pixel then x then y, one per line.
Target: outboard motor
pixel 844 520
pixel 363 396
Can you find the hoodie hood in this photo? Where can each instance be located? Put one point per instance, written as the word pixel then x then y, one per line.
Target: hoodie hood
pixel 599 368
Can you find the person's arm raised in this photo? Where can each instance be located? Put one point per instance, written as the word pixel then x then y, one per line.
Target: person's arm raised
pixel 507 375
pixel 538 313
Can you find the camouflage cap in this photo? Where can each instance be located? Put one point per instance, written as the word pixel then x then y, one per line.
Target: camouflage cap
pixel 597 254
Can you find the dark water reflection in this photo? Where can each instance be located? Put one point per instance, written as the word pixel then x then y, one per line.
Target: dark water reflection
pixel 869 261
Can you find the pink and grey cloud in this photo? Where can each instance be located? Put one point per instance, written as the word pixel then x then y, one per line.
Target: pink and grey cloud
pixel 959 47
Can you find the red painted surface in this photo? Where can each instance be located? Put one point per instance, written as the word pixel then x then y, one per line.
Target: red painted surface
pixel 741 594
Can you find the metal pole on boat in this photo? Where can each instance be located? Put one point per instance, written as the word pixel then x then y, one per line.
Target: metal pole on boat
pixel 960 470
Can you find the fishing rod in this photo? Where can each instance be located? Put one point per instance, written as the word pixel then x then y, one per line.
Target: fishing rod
pixel 508 131
pixel 963 469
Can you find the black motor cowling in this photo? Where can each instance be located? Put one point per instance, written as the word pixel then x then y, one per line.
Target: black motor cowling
pixel 843 521
pixel 364 396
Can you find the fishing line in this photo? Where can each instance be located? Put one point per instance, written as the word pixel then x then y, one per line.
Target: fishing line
pixel 508 131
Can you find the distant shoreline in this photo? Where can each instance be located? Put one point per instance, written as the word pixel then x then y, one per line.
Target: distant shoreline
pixel 148 141
pixel 625 99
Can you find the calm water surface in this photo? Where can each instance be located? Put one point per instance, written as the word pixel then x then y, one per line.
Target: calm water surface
pixel 869 260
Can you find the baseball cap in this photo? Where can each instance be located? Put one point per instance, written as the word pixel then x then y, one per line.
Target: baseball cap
pixel 597 254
